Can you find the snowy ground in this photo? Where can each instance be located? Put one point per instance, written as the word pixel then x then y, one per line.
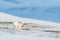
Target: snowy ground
pixel 28 35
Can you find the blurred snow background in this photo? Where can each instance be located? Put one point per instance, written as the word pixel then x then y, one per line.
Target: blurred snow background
pixel 38 9
pixel 26 35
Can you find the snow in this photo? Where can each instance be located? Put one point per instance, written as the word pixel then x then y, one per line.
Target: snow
pixel 24 36
pixel 28 35
pixel 10 18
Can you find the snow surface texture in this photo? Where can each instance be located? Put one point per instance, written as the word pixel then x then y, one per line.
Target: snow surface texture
pixel 31 6
pixel 28 35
